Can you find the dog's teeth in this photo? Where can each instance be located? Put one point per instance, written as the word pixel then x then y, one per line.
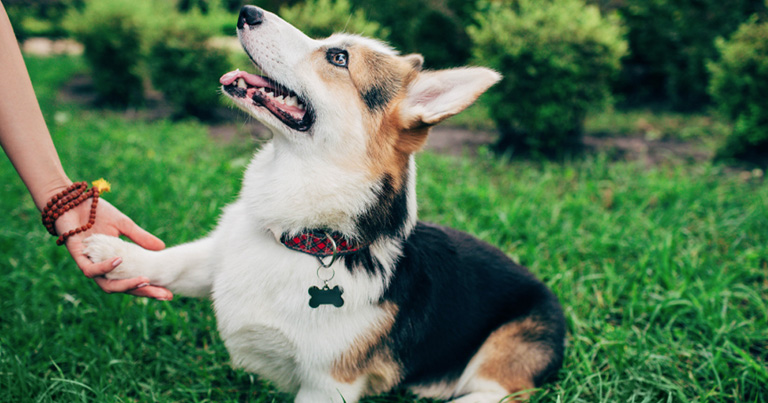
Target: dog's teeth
pixel 291 101
pixel 241 83
pixel 280 99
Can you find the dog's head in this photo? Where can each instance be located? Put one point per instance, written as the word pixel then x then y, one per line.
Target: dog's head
pixel 345 92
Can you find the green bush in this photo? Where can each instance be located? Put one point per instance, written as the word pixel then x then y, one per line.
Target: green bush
pixel 670 42
pixel 217 15
pixel 126 40
pixel 31 18
pixel 112 34
pixel 557 57
pixel 434 28
pixel 739 87
pixel 185 68
pixel 321 18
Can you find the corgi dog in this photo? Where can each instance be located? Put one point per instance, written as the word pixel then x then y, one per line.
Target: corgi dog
pixel 323 280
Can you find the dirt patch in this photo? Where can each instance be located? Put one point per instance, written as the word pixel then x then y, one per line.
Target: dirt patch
pixel 650 152
pixel 458 141
pixel 47 47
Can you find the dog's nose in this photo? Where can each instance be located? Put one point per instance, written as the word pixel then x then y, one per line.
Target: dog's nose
pixel 250 15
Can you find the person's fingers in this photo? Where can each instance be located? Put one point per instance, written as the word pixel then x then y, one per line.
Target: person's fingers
pixel 125 285
pixel 158 293
pixel 138 286
pixel 139 235
pixel 89 268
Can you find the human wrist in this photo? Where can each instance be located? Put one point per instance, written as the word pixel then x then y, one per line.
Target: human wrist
pixel 48 191
pixel 65 207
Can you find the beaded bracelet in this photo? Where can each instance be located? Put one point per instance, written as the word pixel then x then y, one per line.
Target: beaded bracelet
pixel 68 199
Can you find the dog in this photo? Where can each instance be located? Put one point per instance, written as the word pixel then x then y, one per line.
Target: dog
pixel 322 278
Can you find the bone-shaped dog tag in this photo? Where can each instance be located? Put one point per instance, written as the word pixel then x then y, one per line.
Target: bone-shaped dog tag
pixel 325 296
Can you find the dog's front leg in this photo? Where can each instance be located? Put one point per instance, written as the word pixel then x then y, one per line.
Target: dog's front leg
pixel 184 269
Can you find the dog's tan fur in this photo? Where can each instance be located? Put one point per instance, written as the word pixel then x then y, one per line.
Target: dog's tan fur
pixel 388 150
pixel 511 359
pixel 370 358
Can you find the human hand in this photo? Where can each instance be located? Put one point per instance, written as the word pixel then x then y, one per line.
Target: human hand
pixel 110 221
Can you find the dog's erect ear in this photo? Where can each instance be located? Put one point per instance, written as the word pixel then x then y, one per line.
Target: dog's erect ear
pixel 416 60
pixel 434 96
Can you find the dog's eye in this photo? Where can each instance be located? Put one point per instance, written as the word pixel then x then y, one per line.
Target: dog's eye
pixel 337 57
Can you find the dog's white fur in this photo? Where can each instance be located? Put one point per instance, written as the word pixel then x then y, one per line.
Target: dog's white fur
pixel 301 180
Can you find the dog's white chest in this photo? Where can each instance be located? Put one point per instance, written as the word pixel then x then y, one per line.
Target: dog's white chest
pixel 261 298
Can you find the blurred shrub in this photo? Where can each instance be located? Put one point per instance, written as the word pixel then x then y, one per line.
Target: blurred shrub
pixel 557 57
pixel 126 40
pixel 185 68
pixel 215 14
pixel 739 87
pixel 31 18
pixel 434 28
pixel 321 18
pixel 269 5
pixel 112 34
pixel 186 6
pixel 670 42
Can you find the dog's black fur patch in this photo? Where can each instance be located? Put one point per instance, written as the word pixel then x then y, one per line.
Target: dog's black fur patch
pixel 377 97
pixel 364 260
pixel 452 291
pixel 387 216
pixel 379 94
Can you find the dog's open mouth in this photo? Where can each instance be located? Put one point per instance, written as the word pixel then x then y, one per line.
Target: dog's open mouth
pixel 283 103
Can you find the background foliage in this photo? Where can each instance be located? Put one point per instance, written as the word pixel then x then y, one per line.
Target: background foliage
pixel 434 28
pixel 127 43
pixel 557 58
pixel 113 35
pixel 670 43
pixel 186 68
pixel 31 18
pixel 565 70
pixel 739 87
pixel 322 18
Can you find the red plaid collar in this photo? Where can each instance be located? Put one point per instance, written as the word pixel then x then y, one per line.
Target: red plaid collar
pixel 318 243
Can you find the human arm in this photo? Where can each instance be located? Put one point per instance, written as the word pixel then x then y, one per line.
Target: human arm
pixel 25 139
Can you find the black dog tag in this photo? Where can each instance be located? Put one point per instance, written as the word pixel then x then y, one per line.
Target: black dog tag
pixel 325 296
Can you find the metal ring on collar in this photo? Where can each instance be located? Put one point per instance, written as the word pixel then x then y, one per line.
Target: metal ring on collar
pixel 335 252
pixel 325 280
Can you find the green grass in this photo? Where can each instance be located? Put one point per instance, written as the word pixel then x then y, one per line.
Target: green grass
pixel 662 271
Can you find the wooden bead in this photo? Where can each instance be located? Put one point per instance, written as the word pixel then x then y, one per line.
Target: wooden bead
pixel 65 201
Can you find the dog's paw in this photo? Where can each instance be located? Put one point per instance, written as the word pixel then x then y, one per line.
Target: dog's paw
pixel 99 247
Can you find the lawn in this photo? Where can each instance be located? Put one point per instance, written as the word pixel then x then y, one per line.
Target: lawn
pixel 662 270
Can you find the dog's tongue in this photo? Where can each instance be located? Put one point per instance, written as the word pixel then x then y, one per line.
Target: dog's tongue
pixel 252 79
